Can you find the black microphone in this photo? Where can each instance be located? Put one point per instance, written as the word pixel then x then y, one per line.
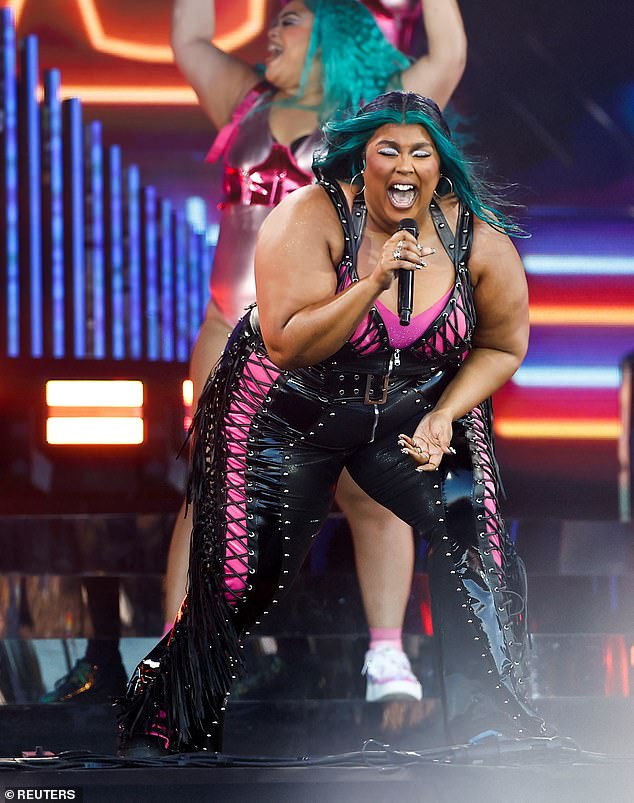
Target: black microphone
pixel 406 278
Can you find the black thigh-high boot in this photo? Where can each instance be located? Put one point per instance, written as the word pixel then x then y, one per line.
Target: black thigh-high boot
pixel 479 596
pixel 481 646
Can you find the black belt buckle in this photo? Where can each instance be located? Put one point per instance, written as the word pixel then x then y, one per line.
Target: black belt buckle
pixel 369 382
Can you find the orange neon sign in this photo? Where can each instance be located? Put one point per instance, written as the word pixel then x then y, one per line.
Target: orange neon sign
pixel 251 25
pixel 248 22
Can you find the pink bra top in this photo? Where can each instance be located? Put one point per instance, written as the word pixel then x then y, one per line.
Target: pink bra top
pixel 257 169
pixel 441 333
pixel 401 337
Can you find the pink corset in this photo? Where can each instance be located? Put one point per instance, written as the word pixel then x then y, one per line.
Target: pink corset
pixel 257 169
pixel 258 173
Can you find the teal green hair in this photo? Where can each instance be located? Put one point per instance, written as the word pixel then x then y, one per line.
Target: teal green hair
pixel 357 61
pixel 343 154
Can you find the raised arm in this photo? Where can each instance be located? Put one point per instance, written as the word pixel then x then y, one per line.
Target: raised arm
pixel 219 79
pixel 438 72
pixel 302 320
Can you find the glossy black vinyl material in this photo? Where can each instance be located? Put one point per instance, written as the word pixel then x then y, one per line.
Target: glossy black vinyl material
pixel 269 446
pixel 299 439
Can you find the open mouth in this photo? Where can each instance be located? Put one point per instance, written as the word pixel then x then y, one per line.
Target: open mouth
pixel 274 51
pixel 402 196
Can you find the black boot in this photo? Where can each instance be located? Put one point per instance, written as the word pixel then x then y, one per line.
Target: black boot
pixel 151 713
pixel 482 640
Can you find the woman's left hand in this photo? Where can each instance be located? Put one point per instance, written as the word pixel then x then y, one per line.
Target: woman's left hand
pixel 430 441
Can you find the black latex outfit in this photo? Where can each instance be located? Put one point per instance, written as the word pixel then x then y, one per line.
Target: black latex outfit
pixel 269 446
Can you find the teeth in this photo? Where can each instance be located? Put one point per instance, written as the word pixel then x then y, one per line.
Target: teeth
pixel 402 196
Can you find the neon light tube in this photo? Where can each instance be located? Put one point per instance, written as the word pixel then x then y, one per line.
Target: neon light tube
pixel 94 393
pixel 95 431
pixel 553 429
pixel 582 264
pixel 568 376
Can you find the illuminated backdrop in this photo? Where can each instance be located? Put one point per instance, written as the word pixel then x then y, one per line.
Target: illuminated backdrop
pixel 554 117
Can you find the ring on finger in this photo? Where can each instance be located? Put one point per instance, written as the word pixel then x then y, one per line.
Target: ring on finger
pixel 396 253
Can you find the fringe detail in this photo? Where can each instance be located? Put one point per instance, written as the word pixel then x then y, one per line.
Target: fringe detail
pixel 181 688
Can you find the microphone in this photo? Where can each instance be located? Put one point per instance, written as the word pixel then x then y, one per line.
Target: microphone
pixel 406 278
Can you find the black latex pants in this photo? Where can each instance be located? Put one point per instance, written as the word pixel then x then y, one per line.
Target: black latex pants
pixel 269 449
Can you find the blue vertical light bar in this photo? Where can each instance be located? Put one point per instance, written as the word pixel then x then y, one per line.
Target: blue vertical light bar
pixel 74 257
pixel 193 281
pixel 149 241
pixel 115 288
pixel 180 283
pixel 132 261
pixel 95 271
pixel 30 195
pixel 206 259
pixel 53 216
pixel 9 237
pixel 167 280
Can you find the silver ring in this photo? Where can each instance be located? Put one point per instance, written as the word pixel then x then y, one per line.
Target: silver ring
pixel 396 253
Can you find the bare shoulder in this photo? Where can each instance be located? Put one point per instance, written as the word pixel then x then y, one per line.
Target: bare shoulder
pixel 306 215
pixel 492 252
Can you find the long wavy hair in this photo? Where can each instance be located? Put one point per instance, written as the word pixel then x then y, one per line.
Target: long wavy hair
pixel 357 61
pixel 342 155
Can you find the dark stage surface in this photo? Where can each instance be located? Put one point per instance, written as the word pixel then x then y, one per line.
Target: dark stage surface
pixel 303 695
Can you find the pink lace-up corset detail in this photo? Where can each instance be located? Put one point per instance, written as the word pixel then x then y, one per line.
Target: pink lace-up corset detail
pixel 448 335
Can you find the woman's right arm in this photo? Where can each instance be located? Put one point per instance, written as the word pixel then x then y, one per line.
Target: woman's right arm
pixel 219 80
pixel 303 319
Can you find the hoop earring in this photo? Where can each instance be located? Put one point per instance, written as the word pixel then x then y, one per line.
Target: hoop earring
pixel 353 179
pixel 449 191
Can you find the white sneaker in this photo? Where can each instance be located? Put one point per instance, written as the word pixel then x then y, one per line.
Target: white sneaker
pixel 389 676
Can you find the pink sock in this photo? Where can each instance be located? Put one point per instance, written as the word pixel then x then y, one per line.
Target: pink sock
pixel 386 637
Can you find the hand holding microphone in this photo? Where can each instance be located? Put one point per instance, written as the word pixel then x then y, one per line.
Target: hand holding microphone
pixel 401 255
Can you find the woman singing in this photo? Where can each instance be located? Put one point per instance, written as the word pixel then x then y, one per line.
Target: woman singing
pixel 321 377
